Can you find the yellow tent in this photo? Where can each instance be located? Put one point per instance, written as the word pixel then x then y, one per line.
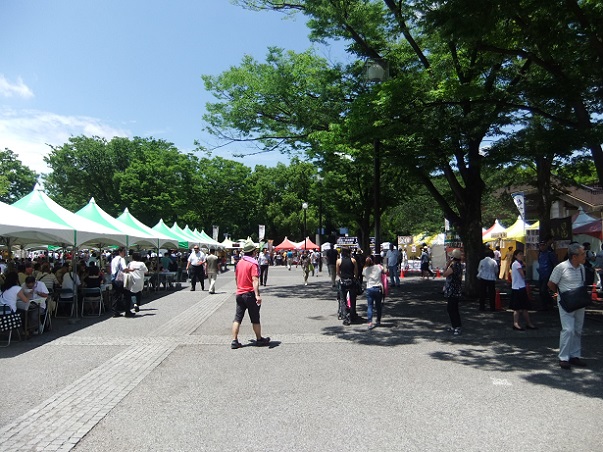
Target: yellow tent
pixel 517 231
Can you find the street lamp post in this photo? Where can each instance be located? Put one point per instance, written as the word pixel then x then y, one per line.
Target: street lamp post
pixel 319 179
pixel 376 71
pixel 305 207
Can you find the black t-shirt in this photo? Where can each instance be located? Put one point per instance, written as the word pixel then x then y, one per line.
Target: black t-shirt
pixel 346 268
pixel 332 256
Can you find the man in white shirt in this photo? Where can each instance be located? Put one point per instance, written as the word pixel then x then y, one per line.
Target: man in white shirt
pixel 487 273
pixel 118 269
pixel 194 266
pixel 566 276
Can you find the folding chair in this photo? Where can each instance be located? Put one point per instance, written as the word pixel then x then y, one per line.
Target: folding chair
pixel 47 315
pixel 66 296
pixel 93 295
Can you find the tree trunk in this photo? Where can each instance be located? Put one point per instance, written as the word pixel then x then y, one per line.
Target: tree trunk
pixel 470 231
pixel 543 177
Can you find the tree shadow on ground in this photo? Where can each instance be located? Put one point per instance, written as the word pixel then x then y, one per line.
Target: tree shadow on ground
pixel 64 326
pixel 416 312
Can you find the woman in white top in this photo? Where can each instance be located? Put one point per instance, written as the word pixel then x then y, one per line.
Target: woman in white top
pixel 12 292
pixel 137 271
pixel 374 290
pixel 519 295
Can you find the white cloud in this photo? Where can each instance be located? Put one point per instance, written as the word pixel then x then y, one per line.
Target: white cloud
pixel 27 133
pixel 19 89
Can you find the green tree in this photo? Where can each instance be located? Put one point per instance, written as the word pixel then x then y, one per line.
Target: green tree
pixel 434 112
pixel 159 182
pixel 227 198
pixel 559 45
pixel 86 167
pixel 16 179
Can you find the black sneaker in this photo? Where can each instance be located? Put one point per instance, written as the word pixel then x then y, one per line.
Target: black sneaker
pixel 577 362
pixel 235 344
pixel 262 342
pixel 117 314
pixel 130 314
pixel 136 308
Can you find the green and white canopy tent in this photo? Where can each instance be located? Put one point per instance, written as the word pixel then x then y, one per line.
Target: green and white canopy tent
pixel 208 241
pixel 163 228
pixel 163 240
pixel 83 230
pixel 180 232
pixel 19 227
pixel 93 212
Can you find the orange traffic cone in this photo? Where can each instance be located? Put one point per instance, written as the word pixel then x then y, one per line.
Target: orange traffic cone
pixel 497 303
pixel 594 296
pixel 401 273
pixel 438 274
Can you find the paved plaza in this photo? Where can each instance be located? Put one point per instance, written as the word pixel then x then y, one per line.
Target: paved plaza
pixel 167 380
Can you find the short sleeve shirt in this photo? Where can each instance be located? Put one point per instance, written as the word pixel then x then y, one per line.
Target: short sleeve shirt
pixel 567 277
pixel 517 281
pixel 197 258
pixel 245 270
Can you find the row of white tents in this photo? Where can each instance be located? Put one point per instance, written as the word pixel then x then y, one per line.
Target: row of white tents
pixel 36 219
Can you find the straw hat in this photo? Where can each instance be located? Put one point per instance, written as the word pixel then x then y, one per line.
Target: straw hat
pixel 455 253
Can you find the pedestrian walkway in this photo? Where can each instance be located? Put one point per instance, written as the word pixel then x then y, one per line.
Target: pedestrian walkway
pixel 167 380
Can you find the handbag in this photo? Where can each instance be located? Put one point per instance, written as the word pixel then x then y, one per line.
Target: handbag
pixel 9 320
pixel 574 299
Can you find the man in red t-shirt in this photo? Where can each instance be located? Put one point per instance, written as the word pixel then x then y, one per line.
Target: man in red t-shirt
pixel 247 275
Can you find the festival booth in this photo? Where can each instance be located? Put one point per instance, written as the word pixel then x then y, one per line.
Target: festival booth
pixel 437 245
pixel 306 245
pixel 494 234
pixel 587 229
pixel 285 245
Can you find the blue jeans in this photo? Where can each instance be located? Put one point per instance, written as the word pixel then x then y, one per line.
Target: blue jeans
pixel 374 295
pixel 394 276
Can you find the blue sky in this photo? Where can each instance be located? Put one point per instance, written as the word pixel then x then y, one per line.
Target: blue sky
pixel 125 68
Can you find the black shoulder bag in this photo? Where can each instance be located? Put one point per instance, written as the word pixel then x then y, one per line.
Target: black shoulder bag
pixel 574 299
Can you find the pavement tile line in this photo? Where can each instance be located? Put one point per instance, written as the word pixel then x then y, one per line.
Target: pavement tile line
pixel 61 421
pixel 189 320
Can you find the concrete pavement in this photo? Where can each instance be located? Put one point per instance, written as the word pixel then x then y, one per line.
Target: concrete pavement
pixel 168 381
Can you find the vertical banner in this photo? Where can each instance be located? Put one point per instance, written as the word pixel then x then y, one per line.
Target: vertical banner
pixel 216 232
pixel 519 200
pixel 262 232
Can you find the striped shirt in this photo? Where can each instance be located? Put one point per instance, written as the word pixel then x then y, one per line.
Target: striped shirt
pixel 567 277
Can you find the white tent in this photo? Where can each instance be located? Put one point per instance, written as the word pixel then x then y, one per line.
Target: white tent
pixel 83 230
pixel 93 212
pixel 162 239
pixel 19 227
pixel 582 219
pixel 495 232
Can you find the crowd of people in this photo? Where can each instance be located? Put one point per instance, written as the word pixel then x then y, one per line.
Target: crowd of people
pixel 350 271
